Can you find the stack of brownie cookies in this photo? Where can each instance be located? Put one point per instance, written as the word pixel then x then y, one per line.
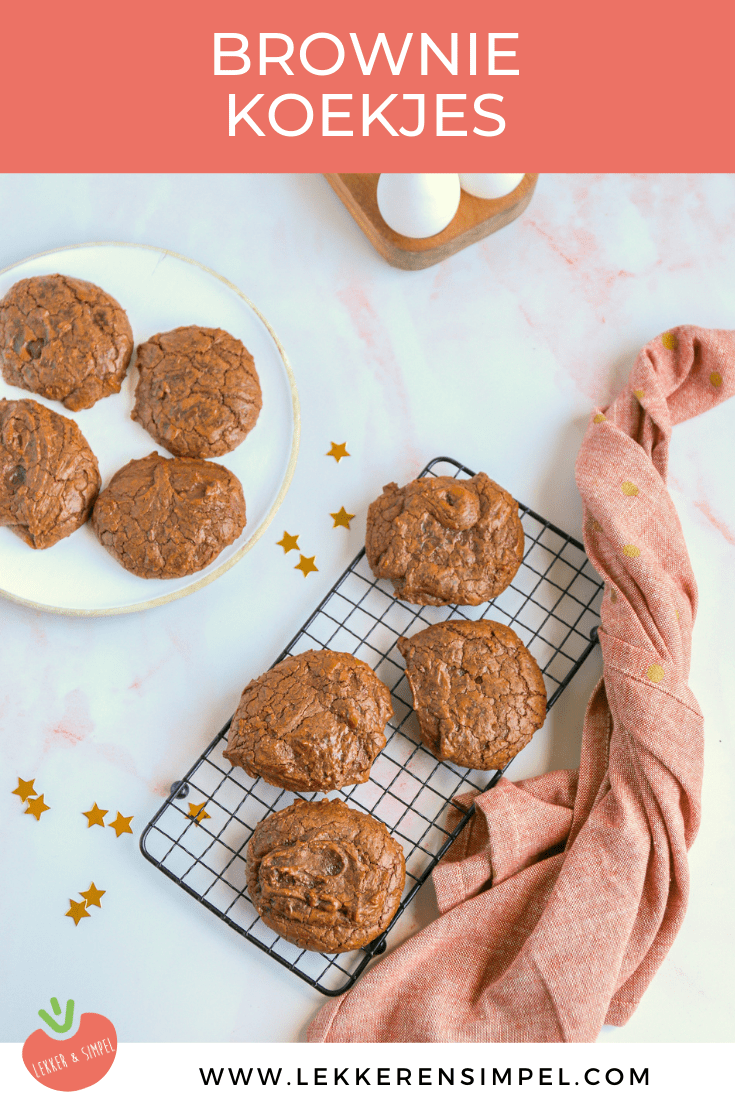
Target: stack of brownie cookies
pixel 198 395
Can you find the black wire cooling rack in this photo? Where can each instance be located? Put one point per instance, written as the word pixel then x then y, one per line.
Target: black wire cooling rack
pixel 552 605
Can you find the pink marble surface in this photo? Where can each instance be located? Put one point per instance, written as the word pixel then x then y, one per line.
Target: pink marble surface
pixel 496 357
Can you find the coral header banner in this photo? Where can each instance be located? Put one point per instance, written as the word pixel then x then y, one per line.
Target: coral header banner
pixel 153 86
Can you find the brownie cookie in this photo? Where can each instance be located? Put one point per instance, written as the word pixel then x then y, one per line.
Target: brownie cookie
pixel 313 723
pixel 325 876
pixel 198 393
pixel 49 476
pixel 478 693
pixel 166 518
pixel 65 339
pixel 445 540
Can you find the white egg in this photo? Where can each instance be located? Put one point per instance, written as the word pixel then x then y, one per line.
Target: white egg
pixel 490 185
pixel 418 204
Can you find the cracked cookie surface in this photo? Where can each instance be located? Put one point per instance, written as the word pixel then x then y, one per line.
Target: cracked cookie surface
pixel 313 723
pixel 65 339
pixel 198 392
pixel 445 540
pixel 325 876
pixel 167 518
pixel 478 693
pixel 49 477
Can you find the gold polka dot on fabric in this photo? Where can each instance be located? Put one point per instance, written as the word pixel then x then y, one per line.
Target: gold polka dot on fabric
pixel 655 673
pixel 676 613
pixel 668 340
pixel 629 489
pixel 614 596
pixel 631 551
pixel 715 378
pixel 639 394
pixel 595 525
pixel 599 417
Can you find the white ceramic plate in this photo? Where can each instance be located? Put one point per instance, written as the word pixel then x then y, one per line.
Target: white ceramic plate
pixel 160 291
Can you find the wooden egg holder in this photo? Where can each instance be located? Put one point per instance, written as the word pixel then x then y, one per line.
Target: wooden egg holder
pixel 475 219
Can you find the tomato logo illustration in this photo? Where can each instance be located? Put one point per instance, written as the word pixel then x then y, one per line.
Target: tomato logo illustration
pixel 70 1063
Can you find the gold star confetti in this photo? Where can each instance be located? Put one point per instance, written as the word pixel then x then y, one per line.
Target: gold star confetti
pixel 716 379
pixel 599 418
pixel 288 543
pixel 36 807
pixel 95 816
pixel 196 811
pixel 92 896
pixel 668 340
pixel 342 518
pixel 121 825
pixel 655 673
pixel 639 395
pixel 631 551
pixel 629 489
pixel 338 451
pixel 77 911
pixel 25 789
pixel 306 565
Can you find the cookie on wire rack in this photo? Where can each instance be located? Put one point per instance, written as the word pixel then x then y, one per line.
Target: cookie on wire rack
pixel 325 876
pixel 445 540
pixel 313 723
pixel 478 692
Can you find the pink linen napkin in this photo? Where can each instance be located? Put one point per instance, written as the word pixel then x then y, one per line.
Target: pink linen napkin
pixel 563 895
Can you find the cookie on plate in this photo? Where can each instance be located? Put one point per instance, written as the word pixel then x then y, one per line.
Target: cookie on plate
pixel 313 723
pixel 65 339
pixel 324 876
pixel 445 540
pixel 198 392
pixel 49 476
pixel 478 693
pixel 167 518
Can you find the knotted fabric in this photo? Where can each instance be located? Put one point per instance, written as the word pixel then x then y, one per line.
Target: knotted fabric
pixel 563 895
